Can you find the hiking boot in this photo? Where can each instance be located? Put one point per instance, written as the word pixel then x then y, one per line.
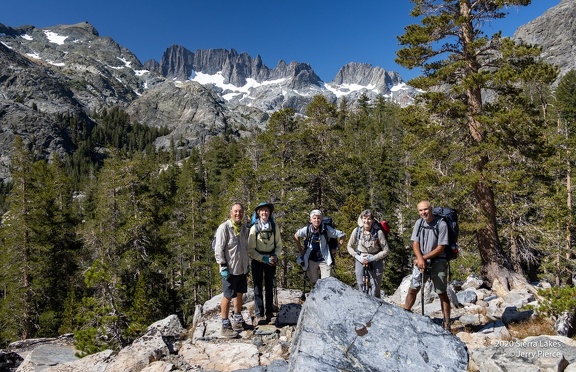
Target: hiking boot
pixel 227 331
pixel 238 323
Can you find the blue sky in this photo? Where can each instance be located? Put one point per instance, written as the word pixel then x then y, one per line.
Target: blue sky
pixel 327 34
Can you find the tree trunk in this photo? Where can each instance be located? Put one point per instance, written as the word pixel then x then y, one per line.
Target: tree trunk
pixel 495 263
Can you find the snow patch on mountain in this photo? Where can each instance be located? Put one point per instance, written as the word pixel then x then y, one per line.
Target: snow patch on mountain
pixel 55 38
pixel 344 90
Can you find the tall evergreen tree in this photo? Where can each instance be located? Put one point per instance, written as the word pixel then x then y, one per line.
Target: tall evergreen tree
pixel 281 181
pixel 17 312
pixel 565 104
pixel 321 142
pixel 454 53
pixel 122 239
pixel 38 248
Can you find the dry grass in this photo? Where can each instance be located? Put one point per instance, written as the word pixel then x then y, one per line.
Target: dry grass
pixel 532 327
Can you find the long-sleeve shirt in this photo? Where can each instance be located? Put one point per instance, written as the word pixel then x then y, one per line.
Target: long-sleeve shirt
pixel 264 243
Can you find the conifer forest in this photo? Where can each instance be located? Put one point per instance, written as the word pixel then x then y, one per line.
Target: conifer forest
pixel 118 235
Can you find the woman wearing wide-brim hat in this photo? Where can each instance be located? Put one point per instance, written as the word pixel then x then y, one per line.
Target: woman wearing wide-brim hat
pixel 264 248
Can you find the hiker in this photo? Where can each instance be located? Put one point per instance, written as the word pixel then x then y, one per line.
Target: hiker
pixel 264 248
pixel 429 236
pixel 231 254
pixel 368 246
pixel 316 257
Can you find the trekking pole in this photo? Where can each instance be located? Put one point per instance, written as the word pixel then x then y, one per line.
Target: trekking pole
pixel 303 296
pixel 422 290
pixel 275 291
pixel 366 279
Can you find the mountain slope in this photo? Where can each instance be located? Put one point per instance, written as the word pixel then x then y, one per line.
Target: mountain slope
pixel 555 32
pixel 50 75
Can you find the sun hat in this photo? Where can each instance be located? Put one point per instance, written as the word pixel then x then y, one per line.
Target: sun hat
pixel 264 204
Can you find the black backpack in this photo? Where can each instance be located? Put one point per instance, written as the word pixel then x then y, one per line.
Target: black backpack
pixel 450 216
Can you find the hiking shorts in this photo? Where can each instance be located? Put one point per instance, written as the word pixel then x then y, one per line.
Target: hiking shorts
pixel 318 270
pixel 233 285
pixel 437 272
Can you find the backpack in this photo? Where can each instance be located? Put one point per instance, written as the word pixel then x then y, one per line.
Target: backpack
pixel 450 216
pixel 385 227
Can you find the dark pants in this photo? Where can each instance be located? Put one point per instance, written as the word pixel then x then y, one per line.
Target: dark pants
pixel 262 272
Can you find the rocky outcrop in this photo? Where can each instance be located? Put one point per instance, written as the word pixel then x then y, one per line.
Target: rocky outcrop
pixel 341 328
pixel 103 71
pixel 191 112
pixel 555 32
pixel 33 101
pixel 366 75
pixel 181 64
pixel 336 328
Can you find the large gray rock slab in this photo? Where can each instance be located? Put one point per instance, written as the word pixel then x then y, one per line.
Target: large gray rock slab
pixel 46 356
pixel 342 329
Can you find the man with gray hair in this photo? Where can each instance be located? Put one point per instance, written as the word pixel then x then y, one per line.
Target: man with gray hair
pixel 230 251
pixel 315 256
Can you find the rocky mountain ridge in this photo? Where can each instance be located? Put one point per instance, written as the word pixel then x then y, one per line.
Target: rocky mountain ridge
pixel 50 74
pixel 555 32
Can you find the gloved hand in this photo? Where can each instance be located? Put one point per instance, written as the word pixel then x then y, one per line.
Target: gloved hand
pixel 266 260
pixel 359 258
pixel 225 274
pixel 369 257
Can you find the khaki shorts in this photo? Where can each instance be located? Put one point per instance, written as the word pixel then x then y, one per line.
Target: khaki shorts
pixel 437 271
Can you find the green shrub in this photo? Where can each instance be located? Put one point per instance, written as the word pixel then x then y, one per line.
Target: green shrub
pixel 556 301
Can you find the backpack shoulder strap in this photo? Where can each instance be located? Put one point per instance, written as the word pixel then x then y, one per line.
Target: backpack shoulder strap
pixel 308 235
pixel 273 225
pixel 437 227
pixel 421 221
pixel 358 232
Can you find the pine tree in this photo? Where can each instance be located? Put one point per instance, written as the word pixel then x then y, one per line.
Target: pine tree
pixel 321 143
pixel 281 181
pixel 17 312
pixel 455 54
pixel 564 265
pixel 38 250
pixel 122 238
